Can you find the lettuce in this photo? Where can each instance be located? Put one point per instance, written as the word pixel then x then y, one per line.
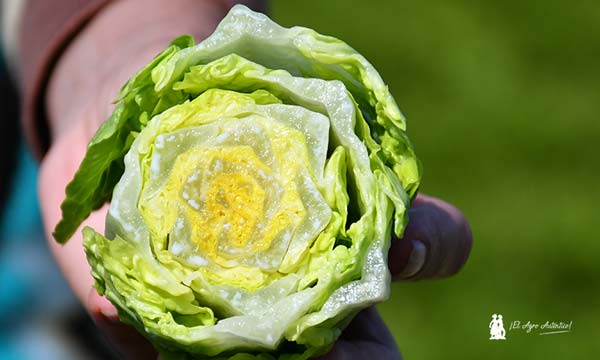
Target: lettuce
pixel 255 180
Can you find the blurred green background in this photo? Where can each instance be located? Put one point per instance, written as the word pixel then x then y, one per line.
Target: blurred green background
pixel 503 106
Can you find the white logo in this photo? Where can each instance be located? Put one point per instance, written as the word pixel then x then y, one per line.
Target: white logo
pixel 497 331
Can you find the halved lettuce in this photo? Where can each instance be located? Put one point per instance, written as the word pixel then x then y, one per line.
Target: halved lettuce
pixel 255 180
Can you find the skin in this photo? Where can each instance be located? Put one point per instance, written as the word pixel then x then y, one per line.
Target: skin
pixel 436 244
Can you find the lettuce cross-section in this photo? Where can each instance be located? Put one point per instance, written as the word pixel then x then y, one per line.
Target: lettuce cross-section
pixel 255 181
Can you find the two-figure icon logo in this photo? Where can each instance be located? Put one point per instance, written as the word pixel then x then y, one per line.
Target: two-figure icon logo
pixel 497 331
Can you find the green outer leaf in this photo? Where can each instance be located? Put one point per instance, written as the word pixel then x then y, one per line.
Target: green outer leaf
pixel 102 165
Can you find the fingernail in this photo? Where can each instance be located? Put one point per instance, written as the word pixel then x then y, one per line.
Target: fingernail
pixel 100 304
pixel 110 312
pixel 416 260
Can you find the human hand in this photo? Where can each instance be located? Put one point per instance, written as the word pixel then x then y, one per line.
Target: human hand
pixel 80 120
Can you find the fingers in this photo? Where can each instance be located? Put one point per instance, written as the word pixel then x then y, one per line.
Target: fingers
pixel 367 337
pixel 124 339
pixel 436 243
pixel 369 326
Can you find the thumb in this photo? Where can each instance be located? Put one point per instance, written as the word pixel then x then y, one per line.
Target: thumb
pixel 436 243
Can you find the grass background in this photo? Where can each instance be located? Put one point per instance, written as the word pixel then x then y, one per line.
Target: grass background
pixel 503 105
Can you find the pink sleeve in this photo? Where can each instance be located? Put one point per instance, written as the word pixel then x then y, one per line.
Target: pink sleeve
pixel 45 30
